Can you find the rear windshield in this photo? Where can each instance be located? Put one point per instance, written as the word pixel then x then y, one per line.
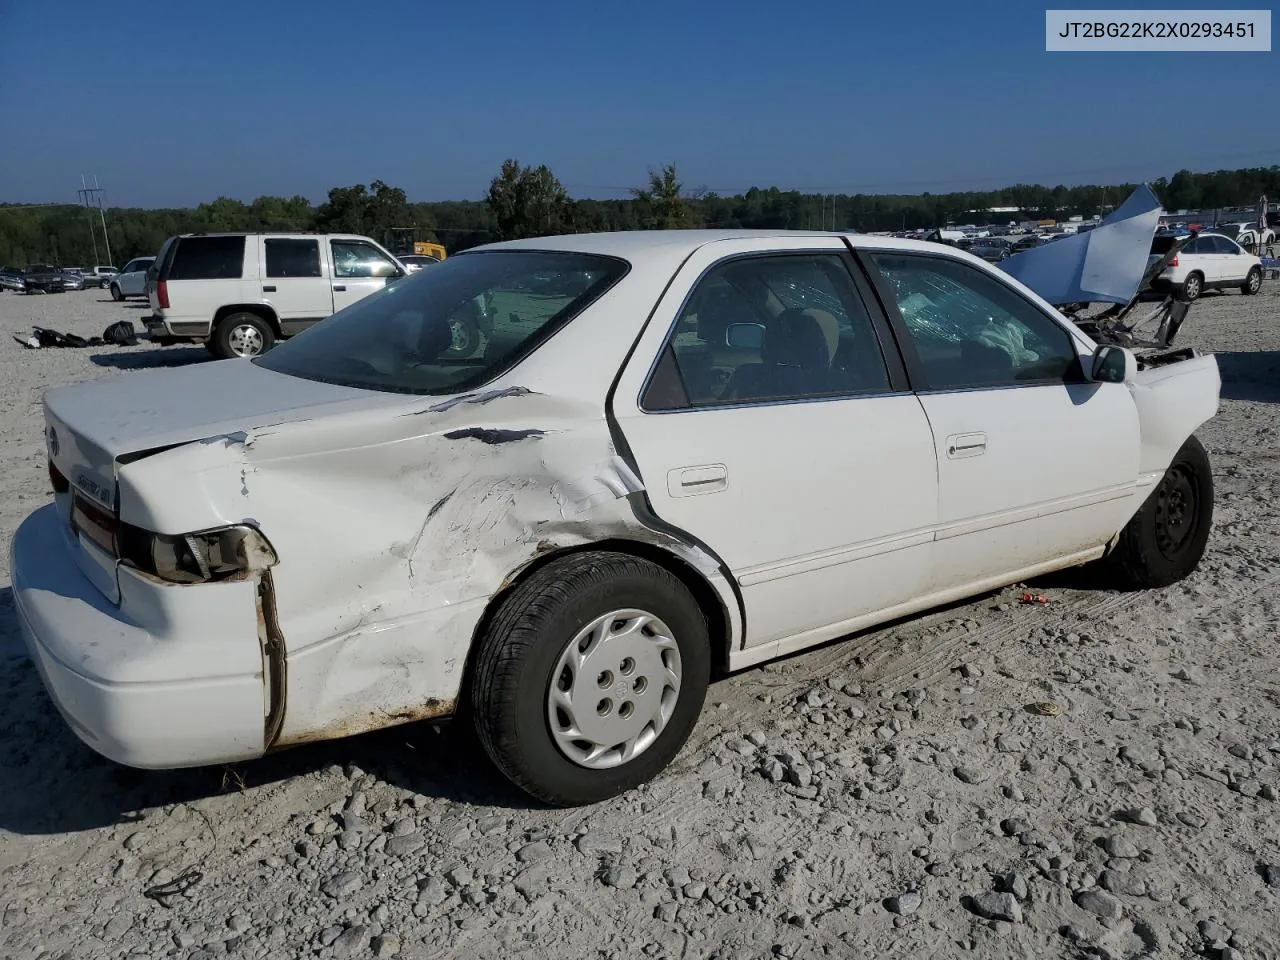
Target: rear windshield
pixel 450 328
pixel 1162 245
pixel 207 258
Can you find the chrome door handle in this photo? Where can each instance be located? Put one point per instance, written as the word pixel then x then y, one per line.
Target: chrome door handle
pixel 692 481
pixel 962 445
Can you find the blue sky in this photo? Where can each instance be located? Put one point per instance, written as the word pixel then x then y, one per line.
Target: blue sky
pixel 172 103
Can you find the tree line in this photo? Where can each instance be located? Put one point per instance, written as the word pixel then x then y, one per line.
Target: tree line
pixel 527 201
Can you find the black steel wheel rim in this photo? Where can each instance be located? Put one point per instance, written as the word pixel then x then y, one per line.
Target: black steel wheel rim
pixel 1177 512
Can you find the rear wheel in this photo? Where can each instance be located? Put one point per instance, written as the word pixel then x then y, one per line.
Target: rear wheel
pixel 1252 283
pixel 115 292
pixel 1166 538
pixel 242 335
pixel 1192 287
pixel 590 677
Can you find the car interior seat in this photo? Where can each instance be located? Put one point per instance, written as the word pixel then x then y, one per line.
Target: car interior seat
pixel 794 361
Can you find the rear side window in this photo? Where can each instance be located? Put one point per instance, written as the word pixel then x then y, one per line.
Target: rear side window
pixel 292 258
pixel 208 258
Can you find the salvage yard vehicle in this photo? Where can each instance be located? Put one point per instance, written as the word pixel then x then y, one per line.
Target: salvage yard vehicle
pixel 1208 261
pixel 132 280
pixel 44 278
pixel 99 276
pixel 674 453
pixel 238 293
pixel 11 279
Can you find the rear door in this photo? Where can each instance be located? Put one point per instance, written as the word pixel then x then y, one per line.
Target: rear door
pixel 358 269
pixel 1035 464
pixel 293 282
pixel 768 421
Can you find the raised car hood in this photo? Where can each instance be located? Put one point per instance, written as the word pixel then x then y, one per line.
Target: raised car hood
pixel 90 425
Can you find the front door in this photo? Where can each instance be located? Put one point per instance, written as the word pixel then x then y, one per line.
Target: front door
pixel 771 428
pixel 1034 462
pixel 359 269
pixel 293 282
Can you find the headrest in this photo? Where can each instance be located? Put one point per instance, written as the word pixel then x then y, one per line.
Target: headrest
pixel 793 338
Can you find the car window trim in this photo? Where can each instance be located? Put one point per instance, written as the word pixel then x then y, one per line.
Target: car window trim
pixel 895 370
pixel 906 343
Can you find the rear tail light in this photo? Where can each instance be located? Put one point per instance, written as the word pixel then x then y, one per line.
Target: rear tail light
pixel 162 294
pixel 1174 261
pixel 94 523
pixel 59 483
pixel 227 553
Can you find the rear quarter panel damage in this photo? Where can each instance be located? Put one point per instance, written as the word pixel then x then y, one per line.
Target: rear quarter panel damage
pixel 395 531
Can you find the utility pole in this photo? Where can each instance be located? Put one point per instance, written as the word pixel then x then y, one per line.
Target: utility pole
pixel 93 233
pixel 90 197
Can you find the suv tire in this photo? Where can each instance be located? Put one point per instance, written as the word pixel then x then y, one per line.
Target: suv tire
pixel 115 292
pixel 1192 287
pixel 1252 283
pixel 242 335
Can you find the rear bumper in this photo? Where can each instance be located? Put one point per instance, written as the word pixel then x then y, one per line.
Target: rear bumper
pixel 158 326
pixel 185 693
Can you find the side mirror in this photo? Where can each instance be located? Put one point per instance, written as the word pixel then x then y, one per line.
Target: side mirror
pixel 744 336
pixel 1113 365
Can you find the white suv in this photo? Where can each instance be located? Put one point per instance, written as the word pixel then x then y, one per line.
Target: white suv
pixel 240 292
pixel 1207 262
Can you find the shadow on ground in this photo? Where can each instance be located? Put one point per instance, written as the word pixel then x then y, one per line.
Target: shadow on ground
pixel 143 358
pixel 1251 376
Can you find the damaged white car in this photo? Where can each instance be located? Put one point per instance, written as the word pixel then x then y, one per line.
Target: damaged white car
pixel 562 481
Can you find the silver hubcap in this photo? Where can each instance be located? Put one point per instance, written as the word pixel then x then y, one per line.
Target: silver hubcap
pixel 1255 281
pixel 1193 287
pixel 614 688
pixel 245 340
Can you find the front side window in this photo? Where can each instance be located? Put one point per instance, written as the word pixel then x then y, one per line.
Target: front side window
pixel 782 327
pixel 971 330
pixel 449 328
pixel 292 258
pixel 353 259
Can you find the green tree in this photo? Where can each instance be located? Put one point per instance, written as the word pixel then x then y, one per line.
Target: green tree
pixel 663 201
pixel 528 202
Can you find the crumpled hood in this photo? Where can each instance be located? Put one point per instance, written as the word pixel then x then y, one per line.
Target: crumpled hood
pixel 121 415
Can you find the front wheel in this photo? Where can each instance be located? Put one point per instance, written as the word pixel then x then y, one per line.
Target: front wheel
pixel 242 335
pixel 590 677
pixel 115 292
pixel 1252 283
pixel 1166 537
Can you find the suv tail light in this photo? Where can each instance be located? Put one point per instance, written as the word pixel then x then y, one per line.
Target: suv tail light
pixel 1174 261
pixel 162 294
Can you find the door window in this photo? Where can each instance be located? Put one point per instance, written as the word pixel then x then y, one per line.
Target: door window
pixel 971 330
pixel 786 327
pixel 353 259
pixel 292 258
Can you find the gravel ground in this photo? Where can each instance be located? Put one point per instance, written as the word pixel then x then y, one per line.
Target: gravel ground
pixel 894 794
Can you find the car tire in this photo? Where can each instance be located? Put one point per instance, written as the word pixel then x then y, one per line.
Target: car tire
pixel 1191 288
pixel 115 293
pixel 1252 283
pixel 242 335
pixel 620 636
pixel 1166 538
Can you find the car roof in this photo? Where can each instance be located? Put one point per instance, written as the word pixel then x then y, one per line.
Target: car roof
pixel 638 244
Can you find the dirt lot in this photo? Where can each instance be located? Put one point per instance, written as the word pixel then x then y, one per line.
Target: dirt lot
pixel 891 795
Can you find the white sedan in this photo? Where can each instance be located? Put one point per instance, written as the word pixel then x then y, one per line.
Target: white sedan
pixel 676 453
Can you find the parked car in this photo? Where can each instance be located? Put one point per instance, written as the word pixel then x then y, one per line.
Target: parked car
pixel 564 532
pixel 44 278
pixel 238 293
pixel 991 249
pixel 11 279
pixel 132 280
pixel 413 262
pixel 1028 242
pixel 1246 235
pixel 72 278
pixel 1208 261
pixel 99 276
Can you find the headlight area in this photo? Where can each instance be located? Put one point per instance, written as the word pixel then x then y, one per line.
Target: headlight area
pixel 207 556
